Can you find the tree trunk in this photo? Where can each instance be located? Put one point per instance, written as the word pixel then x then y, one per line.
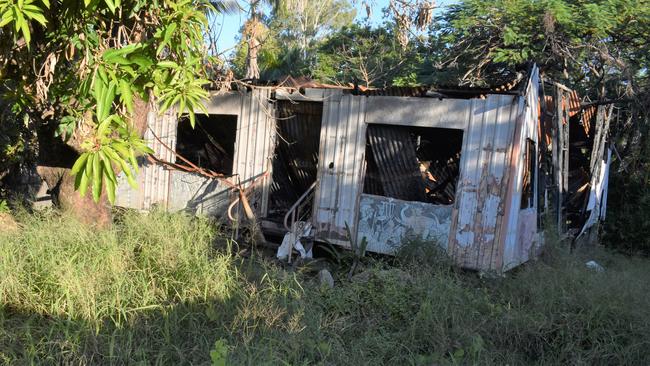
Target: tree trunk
pixel 56 159
pixel 87 211
pixel 252 68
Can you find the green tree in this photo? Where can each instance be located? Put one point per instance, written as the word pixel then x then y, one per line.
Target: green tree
pixel 302 24
pixel 370 57
pixel 600 46
pixel 85 69
pixel 285 41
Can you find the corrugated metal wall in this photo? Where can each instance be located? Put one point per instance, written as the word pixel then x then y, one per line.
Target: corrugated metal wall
pixel 156 178
pixel 520 238
pixel 254 145
pixel 485 164
pixel 489 230
pixel 340 168
pixel 153 180
pixel 253 152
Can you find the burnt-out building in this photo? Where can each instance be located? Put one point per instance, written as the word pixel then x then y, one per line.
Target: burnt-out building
pixel 473 171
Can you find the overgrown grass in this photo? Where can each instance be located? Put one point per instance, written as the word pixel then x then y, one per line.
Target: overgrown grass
pixel 163 289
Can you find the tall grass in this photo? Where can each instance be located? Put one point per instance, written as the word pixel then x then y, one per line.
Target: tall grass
pixel 164 289
pixel 71 284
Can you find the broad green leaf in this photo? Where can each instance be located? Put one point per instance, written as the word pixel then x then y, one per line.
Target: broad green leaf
pixel 192 119
pixel 120 161
pixel 80 163
pixel 142 61
pixel 126 95
pixel 88 171
pixel 121 149
pixel 111 5
pixel 82 186
pixel 110 189
pixel 168 64
pixel 108 167
pixel 7 17
pixel 132 160
pixel 99 91
pixel 169 32
pixel 103 126
pixel 97 177
pixel 107 101
pixel 37 17
pixel 110 54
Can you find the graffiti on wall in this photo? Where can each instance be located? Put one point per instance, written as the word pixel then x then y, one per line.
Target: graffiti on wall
pixel 387 222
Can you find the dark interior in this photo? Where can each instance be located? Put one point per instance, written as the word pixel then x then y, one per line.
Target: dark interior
pixel 413 163
pixel 295 161
pixel 210 144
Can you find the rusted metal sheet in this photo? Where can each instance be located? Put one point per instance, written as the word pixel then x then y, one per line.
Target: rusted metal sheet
pixel 340 167
pixel 387 222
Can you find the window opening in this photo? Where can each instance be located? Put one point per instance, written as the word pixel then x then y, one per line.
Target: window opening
pixel 527 193
pixel 413 163
pixel 210 144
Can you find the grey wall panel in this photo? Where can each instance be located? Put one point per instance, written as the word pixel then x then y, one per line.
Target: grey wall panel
pixel 422 112
pixel 341 163
pixel 254 146
pixel 196 194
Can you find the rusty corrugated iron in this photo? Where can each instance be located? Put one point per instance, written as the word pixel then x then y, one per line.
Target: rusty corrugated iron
pixel 397 162
pixel 296 154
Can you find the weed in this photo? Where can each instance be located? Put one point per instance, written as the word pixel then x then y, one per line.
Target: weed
pixel 4 207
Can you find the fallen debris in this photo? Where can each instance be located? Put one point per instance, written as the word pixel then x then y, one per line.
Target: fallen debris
pixel 595 266
pixel 325 278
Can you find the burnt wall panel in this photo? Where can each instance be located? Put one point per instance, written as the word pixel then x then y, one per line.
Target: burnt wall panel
pixel 395 155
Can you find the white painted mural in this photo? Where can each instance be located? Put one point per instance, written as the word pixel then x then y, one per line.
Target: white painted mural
pixel 387 222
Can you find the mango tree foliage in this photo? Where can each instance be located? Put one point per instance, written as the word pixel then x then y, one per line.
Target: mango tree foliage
pixel 83 64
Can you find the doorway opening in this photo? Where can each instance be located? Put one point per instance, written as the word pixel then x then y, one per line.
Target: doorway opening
pixel 295 161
